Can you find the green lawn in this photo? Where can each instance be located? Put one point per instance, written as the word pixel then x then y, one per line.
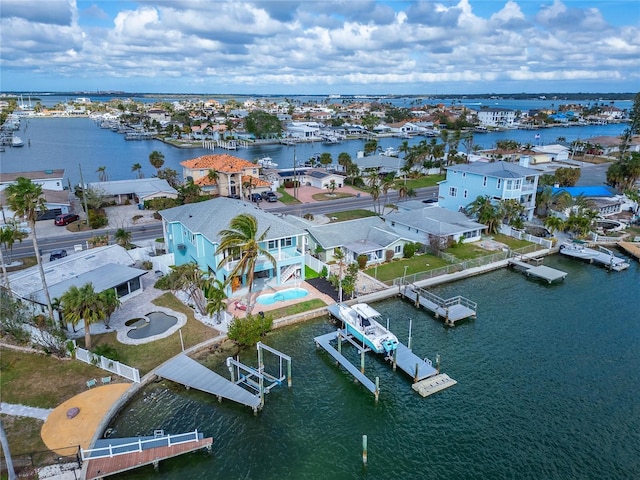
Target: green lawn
pixel 297 308
pixel 310 273
pixel 426 181
pixel 512 243
pixel 416 264
pixel 350 215
pixel 286 198
pixel 467 251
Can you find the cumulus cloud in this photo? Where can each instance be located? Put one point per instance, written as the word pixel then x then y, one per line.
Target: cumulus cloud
pixel 305 46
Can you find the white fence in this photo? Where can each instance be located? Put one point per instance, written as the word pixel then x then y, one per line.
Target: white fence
pixel 139 445
pixel 107 364
pixel 162 263
pixel 506 230
pixel 315 264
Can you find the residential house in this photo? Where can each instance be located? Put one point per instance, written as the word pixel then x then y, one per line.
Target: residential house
pixel 192 234
pixel 49 179
pixel 604 200
pixel 497 180
pixel 423 224
pixel 312 177
pixel 555 152
pixel 232 176
pixel 369 236
pixel 382 164
pixel 496 117
pixel 109 267
pixel 139 190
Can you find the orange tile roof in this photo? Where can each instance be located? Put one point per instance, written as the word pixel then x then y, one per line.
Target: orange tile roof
pixel 220 163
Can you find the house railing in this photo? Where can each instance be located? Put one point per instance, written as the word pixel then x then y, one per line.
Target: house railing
pixel 107 364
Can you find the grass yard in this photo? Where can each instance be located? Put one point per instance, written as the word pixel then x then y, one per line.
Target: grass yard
pixel 149 355
pixel 426 181
pixel 40 380
pixel 297 308
pixel 286 198
pixel 512 243
pixel 467 251
pixel 416 264
pixel 350 215
pixel 309 273
pixel 321 197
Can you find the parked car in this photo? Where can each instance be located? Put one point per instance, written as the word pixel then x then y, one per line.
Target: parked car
pixel 256 197
pixel 235 196
pixel 56 254
pixel 430 200
pixel 269 196
pixel 65 219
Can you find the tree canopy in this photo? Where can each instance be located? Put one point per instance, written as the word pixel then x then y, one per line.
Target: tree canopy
pixel 262 124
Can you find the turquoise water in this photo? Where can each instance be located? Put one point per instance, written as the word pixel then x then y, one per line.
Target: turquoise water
pixel 281 296
pixel 547 388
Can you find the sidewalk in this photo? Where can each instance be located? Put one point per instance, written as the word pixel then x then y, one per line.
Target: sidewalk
pixel 24 411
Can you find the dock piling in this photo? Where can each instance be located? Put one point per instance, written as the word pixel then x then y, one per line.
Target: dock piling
pixel 364 450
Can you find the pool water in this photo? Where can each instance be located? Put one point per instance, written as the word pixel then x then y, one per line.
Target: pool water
pixel 281 296
pixel 159 322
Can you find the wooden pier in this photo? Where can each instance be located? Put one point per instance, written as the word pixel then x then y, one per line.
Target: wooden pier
pixel 191 374
pixel 117 455
pixel 452 310
pixel 539 271
pixel 632 248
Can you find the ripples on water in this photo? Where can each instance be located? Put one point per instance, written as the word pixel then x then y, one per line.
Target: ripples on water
pixel 547 388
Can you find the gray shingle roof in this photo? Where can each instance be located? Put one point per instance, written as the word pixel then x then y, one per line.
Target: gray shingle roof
pixel 435 221
pixel 371 231
pixel 496 169
pixel 142 187
pixel 209 217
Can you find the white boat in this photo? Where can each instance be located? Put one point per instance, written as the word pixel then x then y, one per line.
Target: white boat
pixel 363 322
pixel 17 142
pixel 390 152
pixel 578 250
pixel 266 162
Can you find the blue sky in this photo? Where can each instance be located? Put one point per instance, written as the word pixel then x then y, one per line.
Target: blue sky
pixel 320 47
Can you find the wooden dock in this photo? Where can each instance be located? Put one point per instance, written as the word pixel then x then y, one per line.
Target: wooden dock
pixel 632 248
pixel 191 374
pixel 414 366
pixel 540 271
pixel 117 455
pixel 452 310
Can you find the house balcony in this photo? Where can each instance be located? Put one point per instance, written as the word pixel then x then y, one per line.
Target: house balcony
pixel 283 257
pixel 528 187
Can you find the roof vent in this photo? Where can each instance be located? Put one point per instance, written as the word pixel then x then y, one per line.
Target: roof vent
pixel 48 172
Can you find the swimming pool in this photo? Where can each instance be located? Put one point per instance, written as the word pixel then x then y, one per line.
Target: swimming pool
pixel 155 323
pixel 281 296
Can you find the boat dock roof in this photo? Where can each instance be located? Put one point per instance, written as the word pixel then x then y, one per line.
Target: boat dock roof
pixel 546 273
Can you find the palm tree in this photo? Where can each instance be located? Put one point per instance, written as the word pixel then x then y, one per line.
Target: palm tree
pixel 242 238
pixel 110 303
pixel 156 159
pixel 136 167
pixel 214 292
pixel 9 234
pixel 83 304
pixel 102 174
pixel 554 224
pixel 122 237
pixel 487 212
pixel 374 188
pixel 25 198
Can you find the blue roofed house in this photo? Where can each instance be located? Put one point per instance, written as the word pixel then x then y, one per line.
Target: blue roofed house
pixel 497 180
pixel 191 234
pixel 602 198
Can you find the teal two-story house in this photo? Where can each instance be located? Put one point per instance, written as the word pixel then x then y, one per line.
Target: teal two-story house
pixel 192 234
pixel 496 180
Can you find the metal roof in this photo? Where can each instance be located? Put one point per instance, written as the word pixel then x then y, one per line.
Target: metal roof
pixel 143 187
pixel 435 221
pixel 495 169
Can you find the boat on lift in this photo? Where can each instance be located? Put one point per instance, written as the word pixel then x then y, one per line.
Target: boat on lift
pixel 266 162
pixel 363 323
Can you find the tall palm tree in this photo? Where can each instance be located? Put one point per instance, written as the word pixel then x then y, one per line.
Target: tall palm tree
pixel 487 212
pixel 25 198
pixel 83 304
pixel 136 167
pixel 156 159
pixel 9 234
pixel 110 303
pixel 102 174
pixel 340 257
pixel 122 237
pixel 242 238
pixel 374 189
pixel 215 295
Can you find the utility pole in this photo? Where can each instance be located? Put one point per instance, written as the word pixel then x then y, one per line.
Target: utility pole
pixel 84 195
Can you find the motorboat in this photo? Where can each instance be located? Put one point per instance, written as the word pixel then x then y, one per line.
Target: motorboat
pixel 578 250
pixel 363 323
pixel 17 142
pixel 266 162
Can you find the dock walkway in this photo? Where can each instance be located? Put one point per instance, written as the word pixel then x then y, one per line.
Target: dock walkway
pixel 117 455
pixel 188 372
pixel 417 368
pixel 546 273
pixel 452 310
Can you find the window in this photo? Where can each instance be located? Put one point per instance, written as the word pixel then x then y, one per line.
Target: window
pixel 272 244
pixel 465 193
pixel 397 249
pixel 286 242
pixel 499 183
pixel 484 181
pixel 453 192
pixel 464 174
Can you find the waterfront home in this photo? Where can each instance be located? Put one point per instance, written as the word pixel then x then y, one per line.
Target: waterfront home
pixel 602 199
pixel 56 202
pixel 137 190
pixel 311 177
pixel 192 234
pixel 497 180
pixel 382 164
pixel 110 267
pixel 56 198
pixel 52 179
pixel 224 175
pixel 369 236
pixel 426 224
pixel 496 117
pixel 554 153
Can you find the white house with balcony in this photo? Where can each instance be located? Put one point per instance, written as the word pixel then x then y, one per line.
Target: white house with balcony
pixel 192 234
pixel 496 180
pixel 496 117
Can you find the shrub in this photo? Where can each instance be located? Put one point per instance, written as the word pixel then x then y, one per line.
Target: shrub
pixel 135 218
pixel 97 219
pixel 249 330
pixel 308 216
pixel 409 250
pixel 324 272
pixel 147 265
pixel 107 351
pixel 362 261
pixel 388 255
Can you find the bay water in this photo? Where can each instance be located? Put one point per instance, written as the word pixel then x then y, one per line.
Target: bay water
pixel 548 386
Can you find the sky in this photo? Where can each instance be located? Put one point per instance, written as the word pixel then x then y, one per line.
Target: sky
pixel 320 47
